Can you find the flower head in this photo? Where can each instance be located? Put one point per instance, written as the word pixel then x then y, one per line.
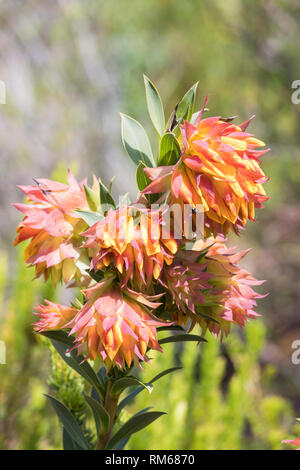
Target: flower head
pixel 234 299
pixel 187 283
pixel 219 169
pixel 53 316
pixel 210 289
pixel 136 249
pixel 116 325
pixel 53 227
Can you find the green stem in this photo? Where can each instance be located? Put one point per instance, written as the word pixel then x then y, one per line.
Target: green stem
pixel 110 404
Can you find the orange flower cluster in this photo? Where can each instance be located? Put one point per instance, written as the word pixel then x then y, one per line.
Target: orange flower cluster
pixel 54 228
pixel 116 324
pixel 219 169
pixel 213 291
pixel 131 268
pixel 136 249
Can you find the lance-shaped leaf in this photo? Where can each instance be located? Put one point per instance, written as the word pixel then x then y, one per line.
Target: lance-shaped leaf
pixel 185 107
pixel 102 419
pixel 90 218
pixel 123 442
pixel 92 198
pixel 133 394
pixel 141 178
pixel 68 442
pixel 60 337
pixel 135 141
pixel 106 199
pixel 155 106
pixel 69 422
pixel 207 317
pixel 125 382
pixel 170 328
pixel 169 150
pixel 182 338
pixel 133 425
pixel 75 361
pixel 163 373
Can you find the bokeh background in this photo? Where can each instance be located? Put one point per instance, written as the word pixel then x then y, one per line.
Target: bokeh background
pixel 69 68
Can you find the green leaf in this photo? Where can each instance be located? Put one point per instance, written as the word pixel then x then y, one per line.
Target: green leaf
pixel 106 198
pixel 179 338
pixel 170 328
pixel 141 179
pixel 60 337
pixel 133 425
pixel 133 394
pixel 69 422
pixel 111 183
pixel 75 361
pixel 102 376
pixel 135 141
pixel 90 218
pixel 185 107
pixel 165 372
pixel 155 106
pixel 68 442
pixel 169 150
pixel 125 382
pixel 92 198
pixel 101 416
pixel 208 317
pixel 123 442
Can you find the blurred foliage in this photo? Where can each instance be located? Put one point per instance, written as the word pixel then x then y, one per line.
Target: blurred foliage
pixel 69 388
pixel 221 399
pixel 69 67
pixel 25 421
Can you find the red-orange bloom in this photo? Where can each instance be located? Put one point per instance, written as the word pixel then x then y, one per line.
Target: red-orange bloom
pixel 219 169
pixel 116 325
pixel 187 283
pixel 53 227
pixel 211 289
pixel 136 249
pixel 234 296
pixel 53 316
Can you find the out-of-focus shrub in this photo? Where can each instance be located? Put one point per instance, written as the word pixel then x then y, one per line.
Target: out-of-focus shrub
pixel 220 400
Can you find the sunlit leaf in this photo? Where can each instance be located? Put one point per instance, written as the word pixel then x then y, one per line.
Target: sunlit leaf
pixel 135 141
pixel 90 218
pixel 106 198
pixel 169 150
pixel 141 179
pixel 155 106
pixel 185 107
pixel 92 198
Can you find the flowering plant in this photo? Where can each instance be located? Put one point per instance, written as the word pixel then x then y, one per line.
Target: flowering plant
pixel 158 264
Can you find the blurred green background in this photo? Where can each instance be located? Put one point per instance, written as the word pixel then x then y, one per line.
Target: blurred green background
pixel 69 68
